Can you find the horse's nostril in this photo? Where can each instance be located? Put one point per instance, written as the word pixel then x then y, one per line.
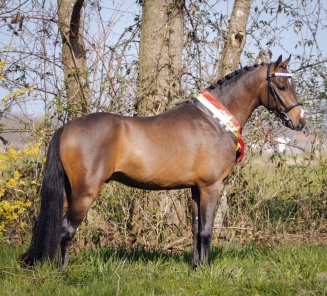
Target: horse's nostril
pixel 301 123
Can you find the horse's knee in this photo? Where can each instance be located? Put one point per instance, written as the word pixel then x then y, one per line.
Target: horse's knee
pixel 205 236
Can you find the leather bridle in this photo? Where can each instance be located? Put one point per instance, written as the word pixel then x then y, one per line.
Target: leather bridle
pixel 282 115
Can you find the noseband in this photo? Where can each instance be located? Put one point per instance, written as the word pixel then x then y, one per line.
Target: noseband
pixel 282 115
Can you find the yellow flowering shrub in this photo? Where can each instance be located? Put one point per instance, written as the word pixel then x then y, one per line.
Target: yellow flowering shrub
pixel 19 180
pixel 19 169
pixel 15 94
pixel 2 65
pixel 10 211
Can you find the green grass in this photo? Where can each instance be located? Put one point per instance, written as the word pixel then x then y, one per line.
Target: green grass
pixel 235 270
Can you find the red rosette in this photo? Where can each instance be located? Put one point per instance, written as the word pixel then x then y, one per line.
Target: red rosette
pixel 242 150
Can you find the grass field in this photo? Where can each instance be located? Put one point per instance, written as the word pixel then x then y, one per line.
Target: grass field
pixel 235 270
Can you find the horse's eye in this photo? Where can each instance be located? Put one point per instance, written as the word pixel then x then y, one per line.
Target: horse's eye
pixel 283 88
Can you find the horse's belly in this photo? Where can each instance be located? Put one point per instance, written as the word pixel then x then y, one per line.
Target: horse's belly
pixel 155 175
pixel 152 183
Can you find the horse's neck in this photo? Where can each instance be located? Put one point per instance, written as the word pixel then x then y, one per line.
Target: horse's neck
pixel 242 106
pixel 242 97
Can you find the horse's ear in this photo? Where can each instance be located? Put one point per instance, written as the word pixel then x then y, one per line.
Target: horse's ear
pixel 285 63
pixel 278 62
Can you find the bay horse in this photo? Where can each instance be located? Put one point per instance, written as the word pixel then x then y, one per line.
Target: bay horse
pixel 193 145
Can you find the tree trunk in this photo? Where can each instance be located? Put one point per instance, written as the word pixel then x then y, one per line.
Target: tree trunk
pixel 229 62
pixel 236 37
pixel 73 57
pixel 160 60
pixel 160 55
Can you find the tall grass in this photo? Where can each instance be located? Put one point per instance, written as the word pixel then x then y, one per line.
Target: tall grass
pixel 235 270
pixel 279 195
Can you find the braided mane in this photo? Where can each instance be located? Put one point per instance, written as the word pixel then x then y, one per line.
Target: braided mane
pixel 237 73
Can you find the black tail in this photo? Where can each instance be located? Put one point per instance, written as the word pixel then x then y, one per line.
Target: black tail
pixel 47 229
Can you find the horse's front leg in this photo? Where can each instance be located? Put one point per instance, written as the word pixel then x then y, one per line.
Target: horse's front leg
pixel 208 201
pixel 195 226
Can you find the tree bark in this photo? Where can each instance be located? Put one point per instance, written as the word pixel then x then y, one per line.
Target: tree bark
pixel 160 60
pixel 230 62
pixel 73 57
pixel 236 37
pixel 160 55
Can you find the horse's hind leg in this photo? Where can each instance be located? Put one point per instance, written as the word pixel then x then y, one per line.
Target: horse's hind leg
pixel 78 205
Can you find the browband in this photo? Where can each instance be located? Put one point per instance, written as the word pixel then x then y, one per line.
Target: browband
pixel 281 74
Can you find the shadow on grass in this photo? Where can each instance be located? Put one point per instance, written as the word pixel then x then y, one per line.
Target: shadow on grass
pixel 144 255
pixel 136 254
pixel 141 254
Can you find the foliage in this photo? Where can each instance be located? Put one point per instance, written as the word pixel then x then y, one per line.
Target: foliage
pixel 19 184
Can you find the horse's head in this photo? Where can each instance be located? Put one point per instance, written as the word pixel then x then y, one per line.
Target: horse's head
pixel 279 95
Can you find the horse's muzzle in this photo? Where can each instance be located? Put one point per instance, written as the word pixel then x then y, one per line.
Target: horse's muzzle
pixel 300 125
